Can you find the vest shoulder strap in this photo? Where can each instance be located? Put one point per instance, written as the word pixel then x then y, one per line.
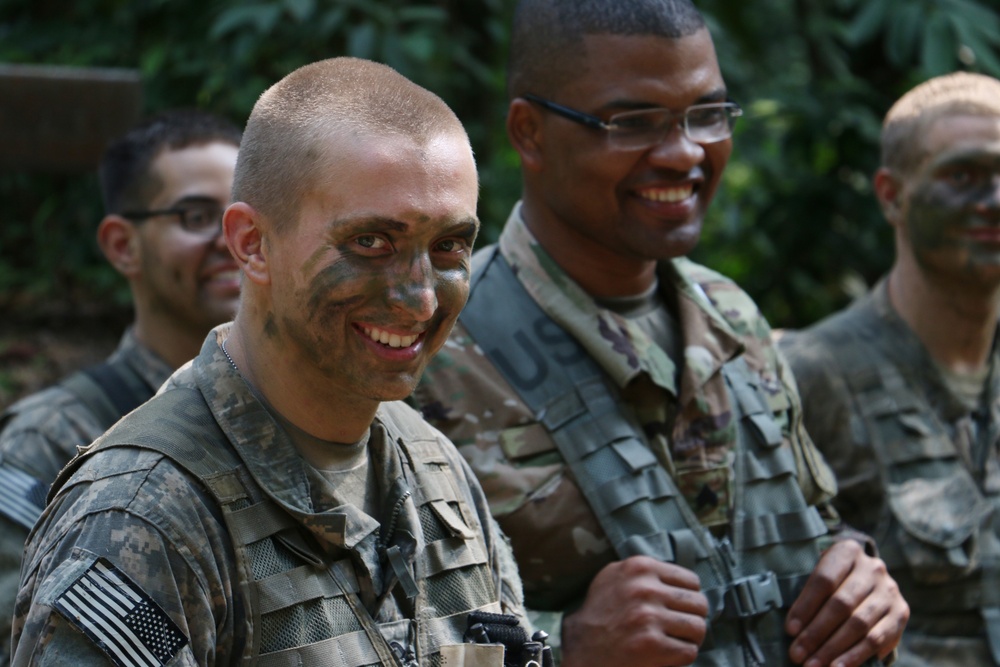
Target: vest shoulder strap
pixel 109 391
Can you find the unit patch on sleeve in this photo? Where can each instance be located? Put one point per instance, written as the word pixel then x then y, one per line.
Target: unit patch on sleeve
pixel 120 618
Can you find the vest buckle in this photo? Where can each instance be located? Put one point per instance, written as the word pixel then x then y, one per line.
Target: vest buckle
pixel 752 596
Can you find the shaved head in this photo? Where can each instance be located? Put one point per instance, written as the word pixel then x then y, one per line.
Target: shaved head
pixel 282 149
pixel 909 119
pixel 547 36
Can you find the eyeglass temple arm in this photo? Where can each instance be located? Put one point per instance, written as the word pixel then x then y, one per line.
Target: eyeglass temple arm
pixel 566 112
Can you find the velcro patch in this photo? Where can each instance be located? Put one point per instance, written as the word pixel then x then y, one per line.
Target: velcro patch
pixel 120 618
pixel 22 497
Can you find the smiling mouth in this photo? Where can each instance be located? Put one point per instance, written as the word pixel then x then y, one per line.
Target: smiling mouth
pixel 668 195
pixel 390 339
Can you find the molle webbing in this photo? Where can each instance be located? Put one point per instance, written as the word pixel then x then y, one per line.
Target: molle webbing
pixel 904 431
pixel 282 574
pixel 300 608
pixel 634 498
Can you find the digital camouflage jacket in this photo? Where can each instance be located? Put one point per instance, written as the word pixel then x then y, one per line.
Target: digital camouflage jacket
pixel 916 470
pixel 135 522
pixel 40 434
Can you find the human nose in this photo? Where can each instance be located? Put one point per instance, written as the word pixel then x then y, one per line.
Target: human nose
pixel 676 150
pixel 412 289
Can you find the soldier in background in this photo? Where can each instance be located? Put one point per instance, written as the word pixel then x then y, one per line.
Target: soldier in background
pixel 276 503
pixel 165 184
pixel 638 437
pixel 902 390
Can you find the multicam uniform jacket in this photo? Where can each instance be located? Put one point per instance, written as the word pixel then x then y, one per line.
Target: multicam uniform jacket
pixel 261 564
pixel 916 469
pixel 39 435
pixel 686 418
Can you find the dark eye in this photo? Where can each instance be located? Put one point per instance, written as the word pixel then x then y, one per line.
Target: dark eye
pixel 199 218
pixel 705 116
pixel 637 122
pixel 959 176
pixel 373 242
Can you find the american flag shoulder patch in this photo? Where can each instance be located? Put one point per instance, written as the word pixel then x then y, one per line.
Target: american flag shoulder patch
pixel 120 618
pixel 22 497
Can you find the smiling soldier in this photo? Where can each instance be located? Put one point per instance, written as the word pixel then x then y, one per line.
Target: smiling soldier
pixel 638 437
pixel 902 390
pixel 165 184
pixel 275 504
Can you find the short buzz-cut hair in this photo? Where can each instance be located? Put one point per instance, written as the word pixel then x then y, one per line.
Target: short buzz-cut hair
pixel 125 171
pixel 910 118
pixel 293 119
pixel 547 35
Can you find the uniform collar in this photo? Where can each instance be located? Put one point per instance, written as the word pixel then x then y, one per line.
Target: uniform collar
pixel 619 346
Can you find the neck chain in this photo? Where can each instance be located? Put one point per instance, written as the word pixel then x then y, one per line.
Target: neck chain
pixel 226 352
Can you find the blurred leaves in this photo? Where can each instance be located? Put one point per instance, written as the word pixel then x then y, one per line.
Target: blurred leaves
pixel 795 221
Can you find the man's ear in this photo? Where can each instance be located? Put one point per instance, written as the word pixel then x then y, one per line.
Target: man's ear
pixel 524 129
pixel 889 192
pixel 118 239
pixel 241 227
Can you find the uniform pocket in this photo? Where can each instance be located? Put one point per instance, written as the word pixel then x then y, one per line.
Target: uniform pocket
pixel 939 520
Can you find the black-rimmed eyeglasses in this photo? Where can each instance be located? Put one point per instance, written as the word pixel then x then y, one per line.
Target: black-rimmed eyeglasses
pixel 201 217
pixel 644 128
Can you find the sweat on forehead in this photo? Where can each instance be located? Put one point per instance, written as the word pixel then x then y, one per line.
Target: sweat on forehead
pixel 547 35
pixel 909 119
pixel 283 141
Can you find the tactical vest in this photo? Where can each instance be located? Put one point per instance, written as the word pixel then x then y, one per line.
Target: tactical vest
pixel 299 608
pixel 751 577
pixel 939 533
pixel 109 391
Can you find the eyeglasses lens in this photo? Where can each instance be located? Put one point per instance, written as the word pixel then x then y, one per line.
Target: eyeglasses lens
pixel 703 124
pixel 201 219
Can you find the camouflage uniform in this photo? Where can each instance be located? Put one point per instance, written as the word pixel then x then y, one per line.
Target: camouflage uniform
pixel 40 434
pixel 188 552
pixel 915 468
pixel 687 420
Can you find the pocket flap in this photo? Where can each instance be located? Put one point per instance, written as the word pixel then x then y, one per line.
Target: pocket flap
pixel 943 511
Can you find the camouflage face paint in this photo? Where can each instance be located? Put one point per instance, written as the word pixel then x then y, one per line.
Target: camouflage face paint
pixel 952 214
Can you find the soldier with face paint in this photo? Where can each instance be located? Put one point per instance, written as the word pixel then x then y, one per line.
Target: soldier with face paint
pixel 638 437
pixel 902 390
pixel 275 503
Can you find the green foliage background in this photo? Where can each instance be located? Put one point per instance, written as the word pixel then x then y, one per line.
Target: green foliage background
pixel 795 222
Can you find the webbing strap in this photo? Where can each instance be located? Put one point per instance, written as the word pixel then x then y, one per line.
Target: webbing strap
pixel 884 393
pixel 300 584
pixel 614 467
pixel 109 391
pixel 580 422
pixel 348 649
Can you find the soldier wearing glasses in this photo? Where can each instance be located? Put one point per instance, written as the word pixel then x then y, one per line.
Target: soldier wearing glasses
pixel 638 437
pixel 165 185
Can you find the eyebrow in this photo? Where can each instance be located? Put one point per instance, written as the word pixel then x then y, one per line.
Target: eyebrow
pixel 466 227
pixel 195 199
pixel 717 95
pixel 967 155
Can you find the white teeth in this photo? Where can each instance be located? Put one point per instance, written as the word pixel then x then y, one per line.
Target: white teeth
pixel 227 275
pixel 671 195
pixel 392 340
